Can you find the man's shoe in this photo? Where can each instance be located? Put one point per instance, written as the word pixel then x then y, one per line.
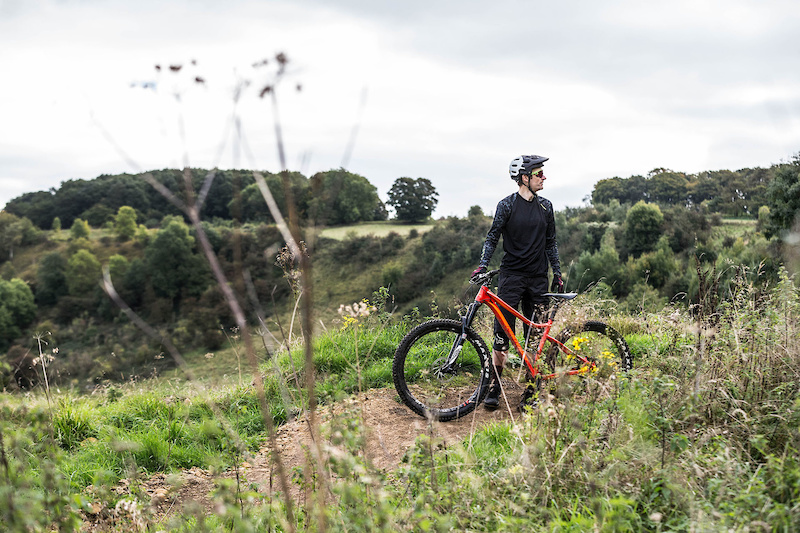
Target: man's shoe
pixel 492 400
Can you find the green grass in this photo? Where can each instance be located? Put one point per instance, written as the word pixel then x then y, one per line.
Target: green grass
pixel 647 451
pixel 378 229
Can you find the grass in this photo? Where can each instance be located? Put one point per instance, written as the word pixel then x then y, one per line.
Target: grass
pixel 684 442
pixel 378 229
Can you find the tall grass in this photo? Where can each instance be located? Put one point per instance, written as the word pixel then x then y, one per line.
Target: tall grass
pixel 643 452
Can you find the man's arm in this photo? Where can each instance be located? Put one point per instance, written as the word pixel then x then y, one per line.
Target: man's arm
pixel 551 244
pixel 501 215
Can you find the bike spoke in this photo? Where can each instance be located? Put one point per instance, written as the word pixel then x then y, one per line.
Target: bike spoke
pixel 434 374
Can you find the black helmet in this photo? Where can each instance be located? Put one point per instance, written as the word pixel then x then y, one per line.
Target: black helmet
pixel 524 164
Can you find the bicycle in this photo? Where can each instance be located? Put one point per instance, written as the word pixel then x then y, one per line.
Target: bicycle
pixel 442 367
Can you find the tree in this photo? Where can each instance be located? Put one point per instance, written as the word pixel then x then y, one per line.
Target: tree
pixel 117 268
pixel 253 206
pixel 175 269
pixel 79 229
pixel 125 223
pixel 475 211
pixel 56 225
pixel 15 232
pixel 783 197
pixel 608 189
pixel 83 272
pixel 17 309
pixel 413 199
pixel 602 265
pixel 39 207
pixel 341 197
pixel 668 187
pixel 643 227
pixel 10 235
pixel 51 279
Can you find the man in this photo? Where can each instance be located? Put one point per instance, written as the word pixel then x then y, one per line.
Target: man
pixel 527 223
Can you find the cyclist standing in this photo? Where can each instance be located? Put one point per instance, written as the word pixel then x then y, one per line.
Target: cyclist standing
pixel 526 222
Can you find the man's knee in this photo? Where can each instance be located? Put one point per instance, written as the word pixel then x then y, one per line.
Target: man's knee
pixel 500 343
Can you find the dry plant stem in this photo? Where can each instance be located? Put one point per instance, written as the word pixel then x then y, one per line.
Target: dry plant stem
pixel 308 331
pixel 286 395
pixel 239 316
pixel 42 359
pixel 233 303
pixel 236 352
pixel 276 214
pixel 4 462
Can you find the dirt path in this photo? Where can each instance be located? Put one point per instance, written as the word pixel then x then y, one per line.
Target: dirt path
pixel 392 429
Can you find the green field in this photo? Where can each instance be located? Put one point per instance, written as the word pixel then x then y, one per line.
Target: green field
pixel 378 229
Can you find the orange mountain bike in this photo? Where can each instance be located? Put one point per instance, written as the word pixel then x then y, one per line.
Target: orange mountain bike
pixel 442 367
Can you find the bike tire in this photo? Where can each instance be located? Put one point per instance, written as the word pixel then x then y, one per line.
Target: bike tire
pixel 422 386
pixel 597 342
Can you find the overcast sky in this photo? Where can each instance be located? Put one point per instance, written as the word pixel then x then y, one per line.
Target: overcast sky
pixel 446 90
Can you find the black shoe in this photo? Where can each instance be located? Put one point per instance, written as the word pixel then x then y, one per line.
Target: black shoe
pixel 530 398
pixel 492 400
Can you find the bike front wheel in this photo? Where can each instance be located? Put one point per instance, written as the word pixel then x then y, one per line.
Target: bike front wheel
pixel 591 347
pixel 441 372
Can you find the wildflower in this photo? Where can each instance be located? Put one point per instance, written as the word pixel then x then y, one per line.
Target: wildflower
pixel 577 341
pixel 357 309
pixel 515 470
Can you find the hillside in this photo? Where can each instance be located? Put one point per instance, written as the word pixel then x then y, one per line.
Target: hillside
pixel 173 413
pixel 162 275
pixel 667 446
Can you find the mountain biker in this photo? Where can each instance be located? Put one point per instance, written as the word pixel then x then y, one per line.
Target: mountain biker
pixel 526 222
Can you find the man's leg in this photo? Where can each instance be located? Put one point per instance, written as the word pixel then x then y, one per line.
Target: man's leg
pixel 492 400
pixel 509 291
pixel 534 307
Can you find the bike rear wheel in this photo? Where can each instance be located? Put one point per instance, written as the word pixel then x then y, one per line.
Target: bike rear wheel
pixel 603 348
pixel 424 380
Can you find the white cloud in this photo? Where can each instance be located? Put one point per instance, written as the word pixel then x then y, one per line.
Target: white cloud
pixel 454 90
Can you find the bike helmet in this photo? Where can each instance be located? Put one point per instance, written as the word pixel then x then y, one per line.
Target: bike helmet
pixel 524 164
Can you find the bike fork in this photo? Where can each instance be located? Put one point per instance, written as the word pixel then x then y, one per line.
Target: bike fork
pixel 466 320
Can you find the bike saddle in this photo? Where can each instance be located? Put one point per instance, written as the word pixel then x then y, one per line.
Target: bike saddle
pixel 562 295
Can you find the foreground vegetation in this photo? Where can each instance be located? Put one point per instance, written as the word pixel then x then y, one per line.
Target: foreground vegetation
pixel 703 435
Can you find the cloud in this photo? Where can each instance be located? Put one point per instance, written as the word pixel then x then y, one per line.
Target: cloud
pixel 454 90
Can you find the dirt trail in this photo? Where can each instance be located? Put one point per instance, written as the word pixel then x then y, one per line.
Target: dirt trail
pixel 392 430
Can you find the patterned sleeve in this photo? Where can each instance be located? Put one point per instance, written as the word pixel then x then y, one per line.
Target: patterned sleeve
pixel 501 215
pixel 551 245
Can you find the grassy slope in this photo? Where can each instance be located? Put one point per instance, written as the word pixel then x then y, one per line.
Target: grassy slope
pixel 648 455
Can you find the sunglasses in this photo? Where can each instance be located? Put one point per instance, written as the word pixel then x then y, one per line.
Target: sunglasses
pixel 537 173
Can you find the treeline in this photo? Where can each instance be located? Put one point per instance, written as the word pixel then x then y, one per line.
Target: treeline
pixel 649 240
pixel 161 274
pixel 644 255
pixel 327 198
pixel 730 193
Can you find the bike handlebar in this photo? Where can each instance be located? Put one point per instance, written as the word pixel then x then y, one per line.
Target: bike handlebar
pixel 486 277
pixel 483 279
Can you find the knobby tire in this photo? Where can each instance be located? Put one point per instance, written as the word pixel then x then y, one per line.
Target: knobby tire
pixel 596 341
pixel 420 381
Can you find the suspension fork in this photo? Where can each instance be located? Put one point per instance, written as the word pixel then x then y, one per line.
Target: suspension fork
pixel 455 350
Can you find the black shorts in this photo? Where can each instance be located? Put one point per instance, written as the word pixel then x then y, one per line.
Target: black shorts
pixel 514 290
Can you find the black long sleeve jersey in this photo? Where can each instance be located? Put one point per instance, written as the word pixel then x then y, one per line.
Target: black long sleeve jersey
pixel 529 236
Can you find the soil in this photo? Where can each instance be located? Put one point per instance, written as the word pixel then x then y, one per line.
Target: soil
pixel 392 429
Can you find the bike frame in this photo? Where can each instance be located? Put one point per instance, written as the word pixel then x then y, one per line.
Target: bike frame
pixel 495 303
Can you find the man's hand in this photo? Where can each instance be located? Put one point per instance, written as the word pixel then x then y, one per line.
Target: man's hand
pixel 558 284
pixel 477 272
